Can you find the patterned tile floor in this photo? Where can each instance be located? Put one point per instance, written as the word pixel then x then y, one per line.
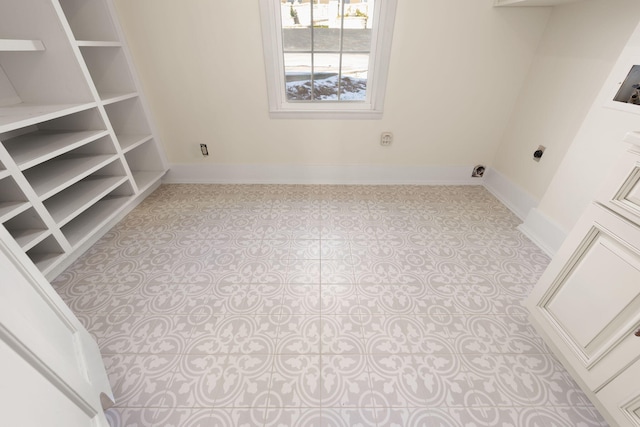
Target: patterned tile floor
pixel 321 306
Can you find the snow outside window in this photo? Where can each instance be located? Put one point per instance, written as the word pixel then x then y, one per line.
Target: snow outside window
pixel 327 58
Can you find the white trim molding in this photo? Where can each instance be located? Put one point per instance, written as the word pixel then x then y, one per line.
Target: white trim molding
pixel 371 108
pixel 538 227
pixel 543 231
pixel 319 174
pixel 511 195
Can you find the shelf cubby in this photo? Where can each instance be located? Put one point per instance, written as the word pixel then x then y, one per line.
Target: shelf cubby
pixel 36 144
pixel 38 65
pixel 12 199
pixel 130 142
pixel 109 71
pixel 89 20
pixel 129 123
pixel 145 164
pixel 84 225
pixel 79 197
pixel 46 254
pixel 21 115
pixel 27 228
pixel 59 173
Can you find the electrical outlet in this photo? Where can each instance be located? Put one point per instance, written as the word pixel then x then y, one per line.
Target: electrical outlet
pixel 386 139
pixel 204 150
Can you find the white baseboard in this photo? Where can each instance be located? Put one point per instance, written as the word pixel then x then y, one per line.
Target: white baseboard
pixel 539 228
pixel 515 198
pixel 543 231
pixel 319 174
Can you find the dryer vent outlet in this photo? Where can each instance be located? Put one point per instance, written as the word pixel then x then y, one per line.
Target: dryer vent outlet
pixel 478 172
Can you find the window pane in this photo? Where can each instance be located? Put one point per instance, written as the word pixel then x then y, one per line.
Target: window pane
pixel 356 40
pixel 326 39
pixel 353 84
pixel 326 46
pixel 297 72
pixel 295 35
pixel 326 70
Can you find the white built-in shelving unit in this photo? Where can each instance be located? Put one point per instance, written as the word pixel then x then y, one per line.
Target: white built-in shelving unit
pixel 77 148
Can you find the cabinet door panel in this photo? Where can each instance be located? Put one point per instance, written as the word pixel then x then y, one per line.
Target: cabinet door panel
pixel 599 294
pixel 588 300
pixel 622 396
pixel 621 191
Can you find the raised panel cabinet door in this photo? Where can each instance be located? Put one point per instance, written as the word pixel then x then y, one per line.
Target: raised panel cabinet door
pixel 51 370
pixel 622 397
pixel 588 300
pixel 621 191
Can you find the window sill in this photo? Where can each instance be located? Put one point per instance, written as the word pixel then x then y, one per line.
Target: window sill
pixel 326 115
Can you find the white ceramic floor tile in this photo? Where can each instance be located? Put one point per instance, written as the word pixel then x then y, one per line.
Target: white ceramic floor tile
pixel 307 305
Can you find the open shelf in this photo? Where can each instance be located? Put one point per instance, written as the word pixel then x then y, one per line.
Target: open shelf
pixel 17 116
pixel 92 43
pixel 12 45
pixel 27 229
pixel 129 142
pixel 46 254
pixel 59 173
pixel 36 144
pixel 128 120
pixel 38 64
pixel 36 148
pixel 145 164
pixel 89 19
pixel 12 199
pixel 109 70
pixel 84 225
pixel 113 97
pixel 74 200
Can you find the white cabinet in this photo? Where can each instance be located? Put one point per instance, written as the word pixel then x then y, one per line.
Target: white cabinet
pixel 622 395
pixel 587 303
pixel 77 149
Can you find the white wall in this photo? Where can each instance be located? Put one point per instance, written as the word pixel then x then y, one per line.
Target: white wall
pixel 456 70
pixel 578 50
pixel 595 148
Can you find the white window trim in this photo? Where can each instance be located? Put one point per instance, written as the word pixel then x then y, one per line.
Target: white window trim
pixel 379 60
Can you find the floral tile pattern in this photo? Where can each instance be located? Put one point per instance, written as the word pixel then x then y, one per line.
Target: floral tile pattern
pixel 304 305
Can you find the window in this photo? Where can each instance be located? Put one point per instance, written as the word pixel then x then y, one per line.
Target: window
pixel 327 58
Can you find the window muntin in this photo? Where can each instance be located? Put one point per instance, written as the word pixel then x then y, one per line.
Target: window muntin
pixel 326 48
pixel 324 72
